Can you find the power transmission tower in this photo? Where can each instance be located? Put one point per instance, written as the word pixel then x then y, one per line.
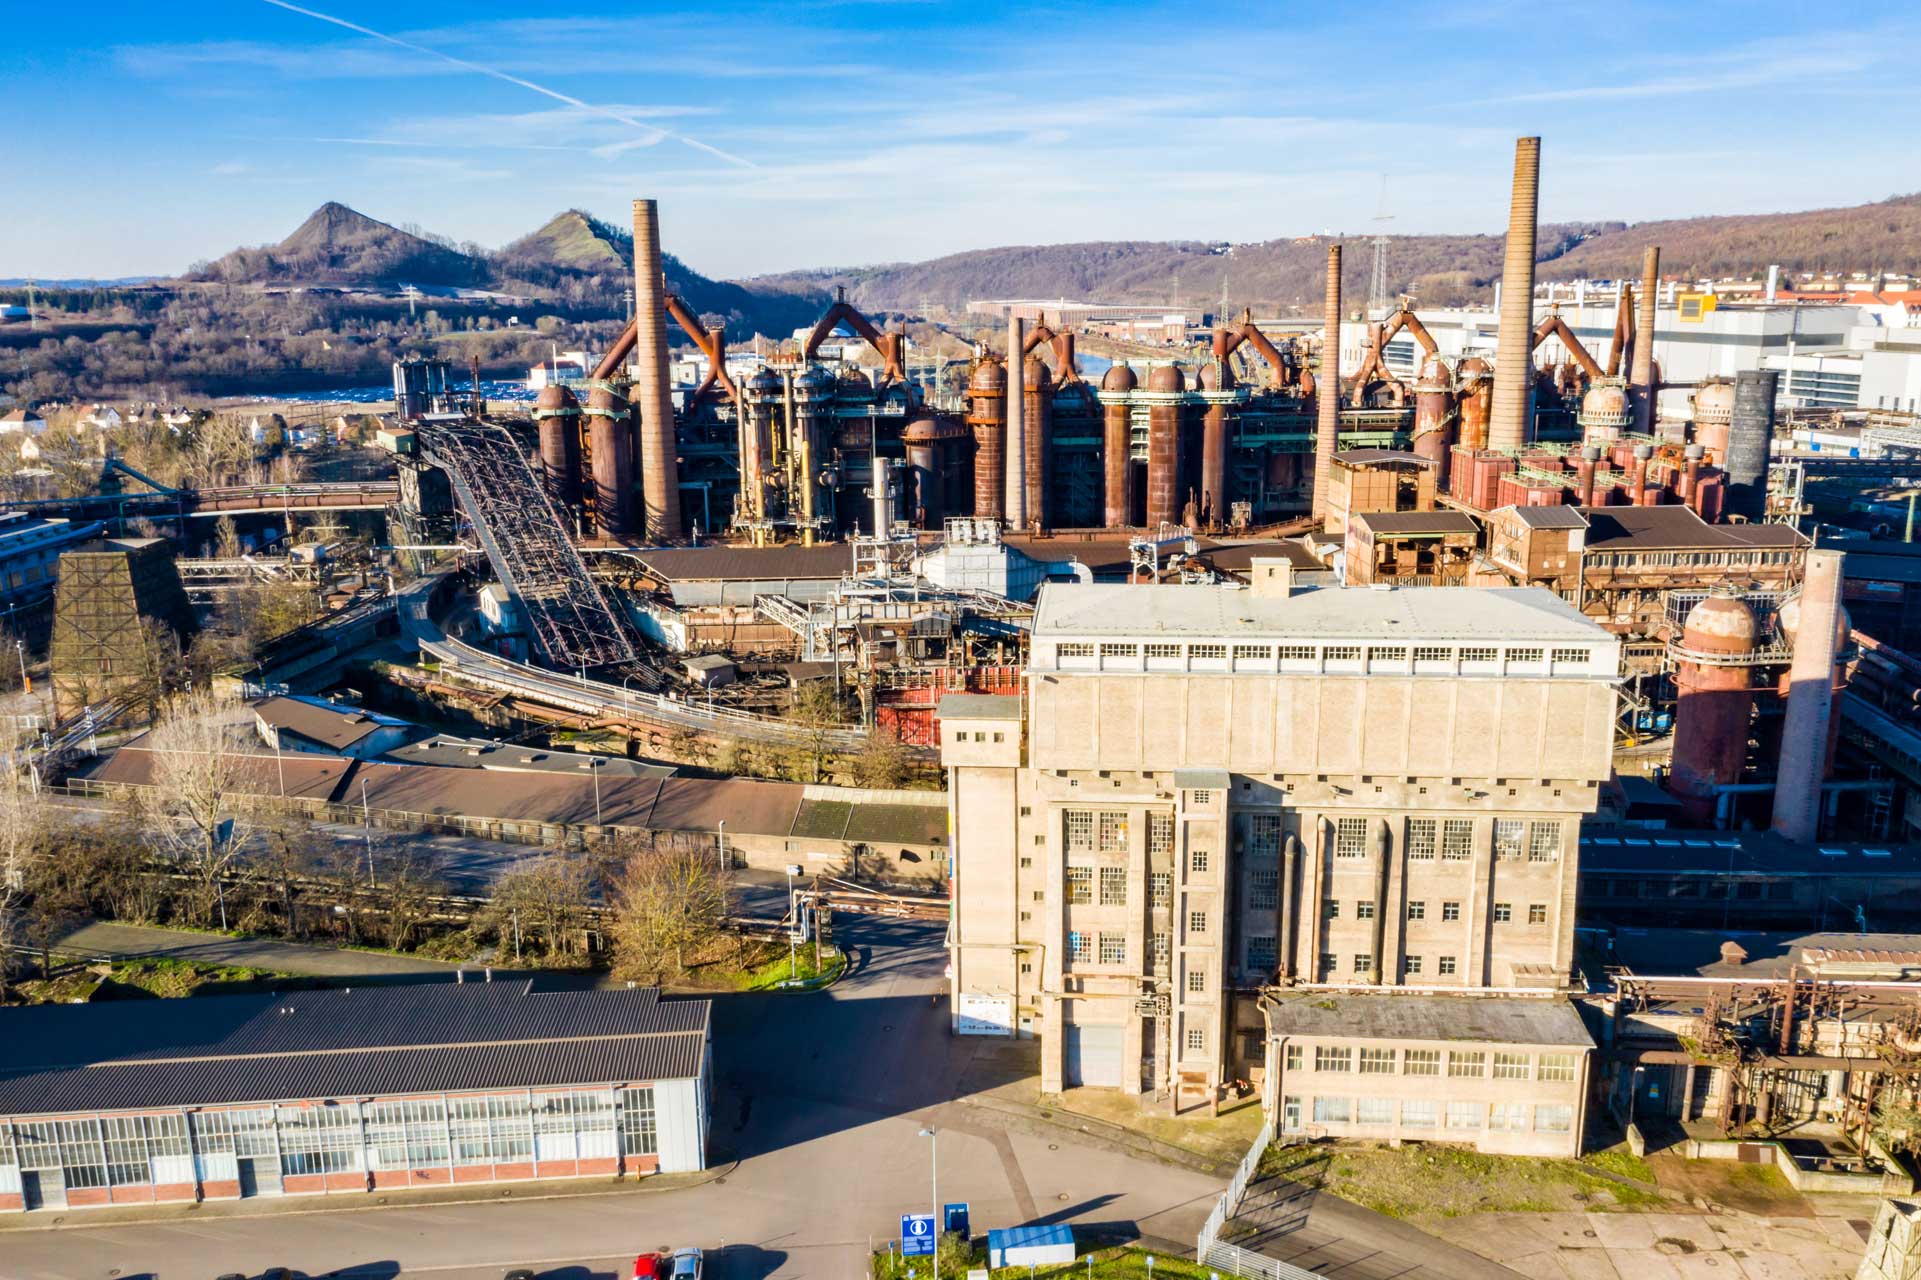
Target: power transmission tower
pixel 1377 286
pixel 627 302
pixel 1220 317
pixel 33 316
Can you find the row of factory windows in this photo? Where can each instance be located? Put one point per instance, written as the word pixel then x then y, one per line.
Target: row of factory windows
pixel 1412 966
pixel 1127 655
pixel 1428 1113
pixel 1688 887
pixel 1500 913
pixel 1105 832
pixel 338 1137
pixel 1615 560
pixel 1456 1064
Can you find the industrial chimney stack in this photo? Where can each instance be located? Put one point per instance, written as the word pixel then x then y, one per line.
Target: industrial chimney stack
pixel 1327 387
pixel 1514 355
pixel 653 391
pixel 1015 503
pixel 1641 386
pixel 1804 732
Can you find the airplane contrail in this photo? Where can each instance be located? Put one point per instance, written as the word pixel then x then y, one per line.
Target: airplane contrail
pixel 555 94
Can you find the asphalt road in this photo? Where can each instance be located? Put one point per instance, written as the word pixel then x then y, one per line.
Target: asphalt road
pixel 821 1099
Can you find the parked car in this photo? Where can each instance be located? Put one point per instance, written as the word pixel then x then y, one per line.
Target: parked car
pixel 686 1265
pixel 518 1273
pixel 650 1266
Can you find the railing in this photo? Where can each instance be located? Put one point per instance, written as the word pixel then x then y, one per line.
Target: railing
pixel 1244 1262
pixel 1230 1201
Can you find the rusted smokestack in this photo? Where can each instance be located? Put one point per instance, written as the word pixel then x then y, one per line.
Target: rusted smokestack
pixel 1327 386
pixel 653 392
pixel 1641 378
pixel 1714 702
pixel 987 392
pixel 557 414
pixel 1513 357
pixel 1015 503
pixel 1690 472
pixel 1804 733
pixel 1116 441
pixel 1038 418
pixel 1584 467
pixel 1166 386
pixel 1639 474
pixel 613 466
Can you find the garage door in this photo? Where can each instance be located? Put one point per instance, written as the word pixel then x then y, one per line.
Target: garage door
pixel 1094 1055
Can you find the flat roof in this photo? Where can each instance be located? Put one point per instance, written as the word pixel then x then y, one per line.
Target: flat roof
pixel 1664 526
pixel 747 564
pixel 360 1042
pixel 1650 953
pixel 1415 522
pixel 486 753
pixel 329 724
pixel 1515 1019
pixel 1382 457
pixel 1361 613
pixel 1632 851
pixel 979 706
pixel 1555 517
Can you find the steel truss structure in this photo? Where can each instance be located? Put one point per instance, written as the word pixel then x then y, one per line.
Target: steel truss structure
pixel 570 621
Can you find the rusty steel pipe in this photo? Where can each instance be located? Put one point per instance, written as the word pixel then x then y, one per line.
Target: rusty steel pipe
pixel 1510 422
pixel 1327 388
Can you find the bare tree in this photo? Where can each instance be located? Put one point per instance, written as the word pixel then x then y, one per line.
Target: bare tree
pixel 408 880
pixel 290 855
pixel 817 711
pixel 204 782
pixel 22 827
pixel 882 762
pixel 547 898
pixel 667 903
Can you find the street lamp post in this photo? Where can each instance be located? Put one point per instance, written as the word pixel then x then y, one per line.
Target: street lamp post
pixel 933 1181
pixel 793 926
pixel 1634 1092
pixel 720 857
pixel 367 829
pixel 593 768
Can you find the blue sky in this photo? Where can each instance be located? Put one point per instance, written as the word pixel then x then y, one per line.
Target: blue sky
pixel 792 135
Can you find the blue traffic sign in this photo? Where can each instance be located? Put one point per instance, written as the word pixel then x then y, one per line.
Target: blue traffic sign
pixel 916 1234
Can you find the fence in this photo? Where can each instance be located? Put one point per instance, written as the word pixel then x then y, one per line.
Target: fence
pixel 1231 1259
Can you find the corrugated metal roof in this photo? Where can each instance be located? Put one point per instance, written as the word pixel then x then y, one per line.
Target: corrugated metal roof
pixel 691 564
pixel 980 706
pixel 338 1044
pixel 1415 521
pixel 1670 526
pixel 1495 1019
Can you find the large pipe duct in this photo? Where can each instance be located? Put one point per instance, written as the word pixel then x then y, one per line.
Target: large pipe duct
pixel 1382 863
pixel 1513 411
pixel 987 391
pixel 1290 873
pixel 1117 438
pixel 558 415
pixel 1750 430
pixel 1166 385
pixel 1714 702
pixel 1327 386
pixel 1038 417
pixel 1804 732
pixel 1641 376
pixel 659 463
pixel 1016 500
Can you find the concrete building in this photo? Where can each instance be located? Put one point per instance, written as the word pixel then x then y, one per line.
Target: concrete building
pixel 327 1092
pixel 30 550
pixel 1215 791
pixel 22 422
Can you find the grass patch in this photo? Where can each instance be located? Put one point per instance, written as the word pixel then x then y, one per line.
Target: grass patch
pixel 1418 1182
pixel 1622 1163
pixel 769 972
pixel 1119 1262
pixel 156 978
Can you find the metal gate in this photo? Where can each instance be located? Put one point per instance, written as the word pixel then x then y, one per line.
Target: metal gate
pixel 1094 1055
pixel 259 1176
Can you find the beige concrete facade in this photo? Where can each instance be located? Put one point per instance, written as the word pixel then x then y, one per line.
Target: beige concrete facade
pixel 1211 791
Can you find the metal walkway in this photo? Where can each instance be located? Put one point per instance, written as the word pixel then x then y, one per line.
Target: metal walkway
pixel 569 619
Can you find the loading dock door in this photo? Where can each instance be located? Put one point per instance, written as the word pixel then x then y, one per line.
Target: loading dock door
pixel 1093 1055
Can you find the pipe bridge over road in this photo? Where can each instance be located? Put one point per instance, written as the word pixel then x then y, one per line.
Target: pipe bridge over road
pixel 227 500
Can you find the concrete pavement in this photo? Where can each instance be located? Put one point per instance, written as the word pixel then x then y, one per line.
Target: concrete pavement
pixel 106 938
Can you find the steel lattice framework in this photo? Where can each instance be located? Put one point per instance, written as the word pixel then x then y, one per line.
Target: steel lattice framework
pixel 569 619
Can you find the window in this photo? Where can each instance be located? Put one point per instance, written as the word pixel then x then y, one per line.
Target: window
pixel 1363 962
pixel 1253 652
pixel 1080 831
pixel 1197 1039
pixel 1160 835
pixel 1553 1118
pixel 1297 653
pixel 1463 1115
pixel 637 1122
pixel 1417 909
pixel 1326 969
pixel 1202 796
pixel 1197 861
pixel 1293 1059
pixel 1027 864
pixel 1113 833
pixel 1413 966
pixel 1196 982
pixel 1387 653
pixel 1537 913
pixel 1206 651
pixel 1450 912
pixel 1000 737
pixel 1457 839
pixel 1113 886
pixel 1331 908
pixel 1556 1066
pixel 1331 1110
pixel 1080 886
pixel 1342 653
pixel 1432 653
pixel 1364 910
pixel 1113 948
pixel 1477 654
pixel 1507 1116
pixel 1503 912
pixel 1161 950
pixel 1531 656
pixel 1510 1066
pixel 1374 1111
pixel 1350 837
pixel 1570 657
pixel 1263 835
pixel 1507 838
pixel 1079 946
pixel 1420 1114
pixel 1077 651
pixel 1422 1062
pixel 1444 966
pixel 1197 922
pixel 1261 953
pixel 1333 1057
pixel 1290 1114
pixel 1420 839
pixel 1111 650
pixel 1160 888
pixel 1377 1062
pixel 1163 651
pixel 1264 888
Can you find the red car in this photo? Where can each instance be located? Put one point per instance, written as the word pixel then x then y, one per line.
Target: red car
pixel 650 1266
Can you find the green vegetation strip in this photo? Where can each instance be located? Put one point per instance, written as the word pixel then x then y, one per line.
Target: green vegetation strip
pixel 1449 1182
pixel 1119 1263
